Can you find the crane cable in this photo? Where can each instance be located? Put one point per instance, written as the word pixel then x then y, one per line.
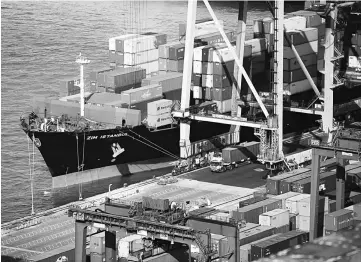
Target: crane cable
pixel 154 147
pixel 152 143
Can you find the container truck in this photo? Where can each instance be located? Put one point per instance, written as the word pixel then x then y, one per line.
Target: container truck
pixel 227 160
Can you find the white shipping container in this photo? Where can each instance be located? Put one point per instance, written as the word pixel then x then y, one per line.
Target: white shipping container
pixel 224 106
pixel 285 196
pixel 140 57
pixel 160 120
pixel 209 81
pixel 124 245
pixel 294 23
pixel 197 53
pixel 258 45
pixel 292 202
pixel 268 25
pixel 140 44
pixel 303 223
pixel 223 55
pixel 298 87
pixel 304 206
pixel 197 92
pixel 150 67
pixel 300 157
pixel 292 64
pixel 304 49
pixel 162 64
pixel 244 253
pixel 159 107
pixel 354 61
pixel 122 37
pixel 275 218
pixel 197 67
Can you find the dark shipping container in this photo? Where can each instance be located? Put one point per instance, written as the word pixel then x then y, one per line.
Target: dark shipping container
pixel 255 234
pixel 327 181
pixel 273 183
pixel 278 243
pixel 251 213
pixel 286 185
pixel 221 94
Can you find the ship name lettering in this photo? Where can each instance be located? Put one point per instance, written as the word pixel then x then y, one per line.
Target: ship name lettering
pixel 105 136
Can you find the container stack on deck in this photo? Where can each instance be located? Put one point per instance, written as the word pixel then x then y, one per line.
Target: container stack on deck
pixel 306 31
pixel 133 50
pixel 354 52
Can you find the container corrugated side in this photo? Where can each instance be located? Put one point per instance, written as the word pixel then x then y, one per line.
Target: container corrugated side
pixel 251 213
pixel 255 234
pixel 58 108
pixel 292 64
pixel 304 49
pixel 285 185
pixel 285 196
pixel 248 227
pixel 275 218
pixel 312 18
pixel 159 120
pixel 245 250
pixel 141 94
pixel 327 183
pixel 339 219
pixel 304 206
pixel 278 243
pixel 159 107
pixel 273 183
pixel 292 202
pixel 299 37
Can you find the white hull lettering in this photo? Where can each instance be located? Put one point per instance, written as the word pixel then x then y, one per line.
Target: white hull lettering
pixel 104 136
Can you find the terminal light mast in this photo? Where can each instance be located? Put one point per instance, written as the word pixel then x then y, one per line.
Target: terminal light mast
pixel 82 61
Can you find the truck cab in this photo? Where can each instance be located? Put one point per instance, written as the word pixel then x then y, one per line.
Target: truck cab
pixel 217 164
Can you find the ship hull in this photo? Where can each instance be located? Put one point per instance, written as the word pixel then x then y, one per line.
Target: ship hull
pixel 76 152
pixel 69 152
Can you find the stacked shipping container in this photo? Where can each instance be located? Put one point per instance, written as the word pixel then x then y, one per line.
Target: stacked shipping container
pixel 159 113
pixel 305 29
pixel 171 57
pixel 120 79
pixel 171 83
pixel 133 50
pixel 305 42
pixel 97 247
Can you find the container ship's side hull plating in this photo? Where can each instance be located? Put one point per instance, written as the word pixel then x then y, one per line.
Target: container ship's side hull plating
pixel 68 152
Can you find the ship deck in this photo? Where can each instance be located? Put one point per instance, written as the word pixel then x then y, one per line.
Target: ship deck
pixel 54 231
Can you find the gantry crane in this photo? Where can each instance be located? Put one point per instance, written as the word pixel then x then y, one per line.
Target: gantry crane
pixel 269 131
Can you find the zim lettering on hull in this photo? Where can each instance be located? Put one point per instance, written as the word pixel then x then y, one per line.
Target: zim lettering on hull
pixel 105 136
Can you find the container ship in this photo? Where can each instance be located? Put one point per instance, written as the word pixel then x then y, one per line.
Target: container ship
pixel 125 116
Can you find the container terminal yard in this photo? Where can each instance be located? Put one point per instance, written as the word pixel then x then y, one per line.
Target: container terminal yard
pixel 282 198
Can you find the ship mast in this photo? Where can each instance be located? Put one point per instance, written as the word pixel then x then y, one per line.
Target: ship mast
pixel 82 61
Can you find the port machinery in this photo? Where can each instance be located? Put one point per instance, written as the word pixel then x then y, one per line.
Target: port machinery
pixel 268 129
pixel 156 228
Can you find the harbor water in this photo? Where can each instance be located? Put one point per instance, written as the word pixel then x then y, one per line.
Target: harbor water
pixel 40 41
